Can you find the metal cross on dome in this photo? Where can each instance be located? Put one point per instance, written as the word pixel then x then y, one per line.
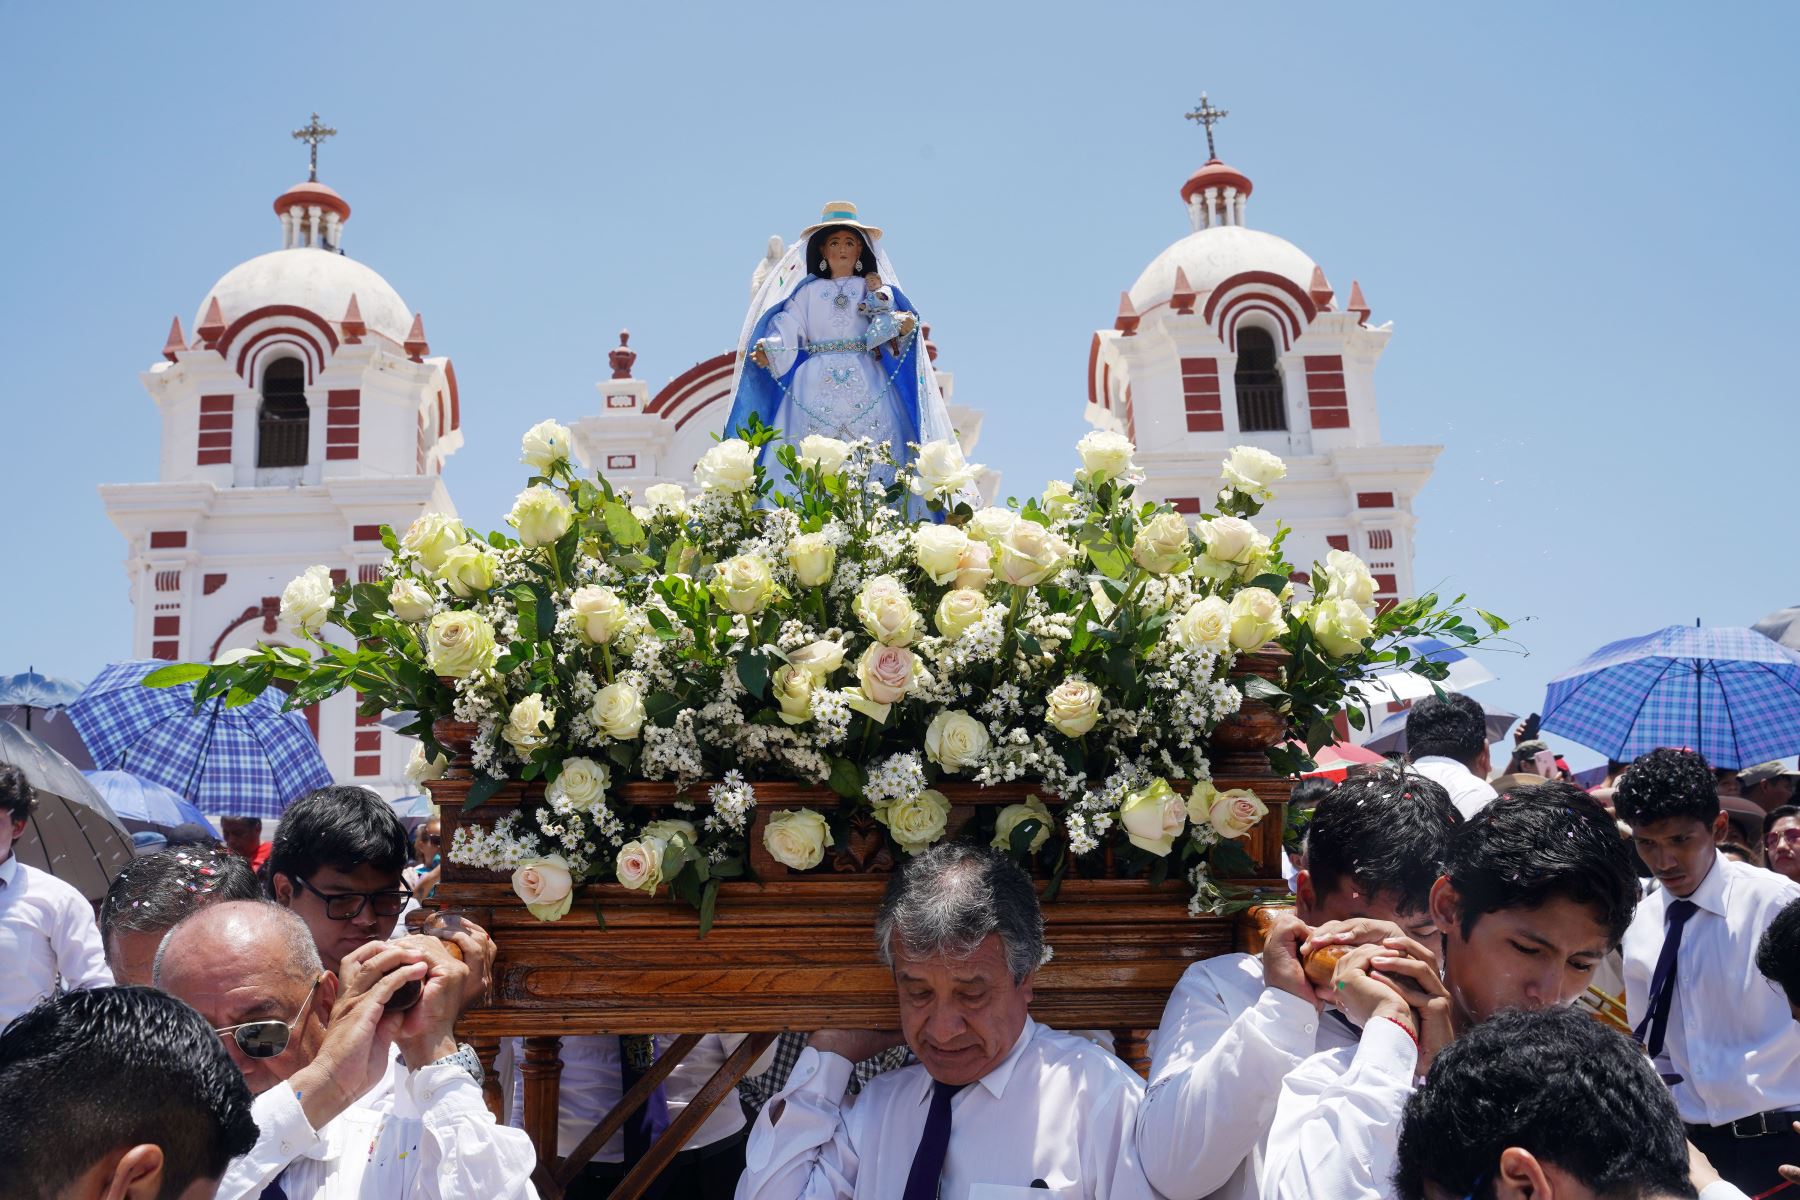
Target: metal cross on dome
pixel 315 133
pixel 1208 116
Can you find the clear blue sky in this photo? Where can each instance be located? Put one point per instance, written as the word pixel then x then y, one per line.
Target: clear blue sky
pixel 1578 217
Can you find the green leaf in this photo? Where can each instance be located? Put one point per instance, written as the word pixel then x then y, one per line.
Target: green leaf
pixel 1020 841
pixel 753 671
pixel 599 917
pixel 659 621
pixel 620 753
pixel 176 673
pixel 1230 859
pixel 1255 687
pixel 1108 560
pixel 709 900
pixel 482 790
pixel 846 779
pixel 623 527
pixel 728 868
pixel 1270 581
pixel 661 705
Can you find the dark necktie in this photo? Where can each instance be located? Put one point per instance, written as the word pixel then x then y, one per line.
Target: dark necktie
pixel 637 1052
pixel 274 1191
pixel 1662 981
pixel 934 1144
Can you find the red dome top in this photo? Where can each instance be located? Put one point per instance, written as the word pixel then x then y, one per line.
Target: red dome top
pixel 1215 174
pixel 309 194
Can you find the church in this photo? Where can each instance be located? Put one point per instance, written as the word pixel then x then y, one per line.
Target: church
pixel 306 409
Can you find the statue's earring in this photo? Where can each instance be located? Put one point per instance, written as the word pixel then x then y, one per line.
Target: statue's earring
pixel 822 266
pixel 859 264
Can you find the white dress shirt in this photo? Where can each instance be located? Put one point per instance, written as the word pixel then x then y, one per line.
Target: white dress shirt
pixel 1225 1042
pixel 1730 1037
pixel 417 1135
pixel 1337 1125
pixel 48 939
pixel 1056 1109
pixel 590 1085
pixel 1468 791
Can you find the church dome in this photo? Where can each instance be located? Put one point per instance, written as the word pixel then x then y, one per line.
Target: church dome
pixel 1208 257
pixel 319 281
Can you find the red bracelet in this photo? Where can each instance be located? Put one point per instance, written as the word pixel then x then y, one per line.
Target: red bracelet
pixel 1410 1035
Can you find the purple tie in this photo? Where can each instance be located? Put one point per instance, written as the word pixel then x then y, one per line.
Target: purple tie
pixel 274 1191
pixel 1662 981
pixel 934 1144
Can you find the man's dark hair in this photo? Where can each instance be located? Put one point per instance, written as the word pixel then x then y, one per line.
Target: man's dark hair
pixel 1447 726
pixel 1778 954
pixel 88 1073
pixel 1537 843
pixel 155 892
pixel 1556 1083
pixel 340 827
pixel 1303 800
pixel 1387 829
pixel 16 795
pixel 1667 783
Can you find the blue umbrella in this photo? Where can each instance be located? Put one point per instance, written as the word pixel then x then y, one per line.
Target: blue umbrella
pixel 249 761
pixel 1730 693
pixel 139 801
pixel 31 690
pixel 414 808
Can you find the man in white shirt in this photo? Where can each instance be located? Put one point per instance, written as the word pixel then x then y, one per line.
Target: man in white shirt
pixel 48 939
pixel 152 895
pixel 118 1093
pixel 1723 1038
pixel 336 861
pixel 1446 739
pixel 1237 1024
pixel 997 1106
pixel 1534 894
pixel 1551 1105
pixel 339 1118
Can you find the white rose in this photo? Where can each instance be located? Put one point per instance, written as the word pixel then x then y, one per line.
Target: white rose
pixel 307 600
pixel 826 455
pixel 541 515
pixel 958 610
pixel 975 570
pixel 467 568
pixel 1236 812
pixel 421 770
pixel 528 725
pixel 919 821
pixel 1206 625
pixel 1073 707
pixel 1255 617
pixel 1228 539
pixel 599 613
pixel 797 838
pixel 581 784
pixel 1347 578
pixel 989 523
pixel 1104 455
pixel 409 600
pixel 940 470
pixel 729 466
pixel 666 831
pixel 545 885
pixel 666 499
pixel 955 740
pixel 818 659
pixel 793 687
pixel 431 537
pixel 886 611
pixel 939 550
pixel 1254 471
pixel 1030 554
pixel 1161 545
pixel 545 444
pixel 1340 626
pixel 886 673
pixel 1153 817
pixel 1058 496
pixel 744 584
pixel 458 644
pixel 812 558
pixel 1015 815
pixel 639 865
pixel 618 710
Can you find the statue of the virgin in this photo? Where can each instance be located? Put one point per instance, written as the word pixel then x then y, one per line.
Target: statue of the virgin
pixel 831 345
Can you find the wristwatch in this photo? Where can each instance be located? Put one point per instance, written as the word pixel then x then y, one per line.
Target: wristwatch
pixel 464 1056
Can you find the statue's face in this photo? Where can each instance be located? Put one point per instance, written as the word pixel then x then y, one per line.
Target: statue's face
pixel 842 249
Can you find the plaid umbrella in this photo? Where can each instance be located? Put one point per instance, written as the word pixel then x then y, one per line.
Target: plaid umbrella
pixel 249 761
pixel 1730 693
pixel 72 832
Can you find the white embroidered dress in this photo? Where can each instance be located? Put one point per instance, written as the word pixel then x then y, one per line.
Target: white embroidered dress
pixel 841 390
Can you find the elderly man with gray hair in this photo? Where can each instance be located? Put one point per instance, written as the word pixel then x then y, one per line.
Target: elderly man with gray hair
pixel 997 1104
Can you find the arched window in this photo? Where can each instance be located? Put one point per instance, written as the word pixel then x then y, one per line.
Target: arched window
pixel 1261 405
pixel 281 425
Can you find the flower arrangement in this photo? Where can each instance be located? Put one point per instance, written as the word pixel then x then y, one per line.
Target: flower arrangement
pixel 846 621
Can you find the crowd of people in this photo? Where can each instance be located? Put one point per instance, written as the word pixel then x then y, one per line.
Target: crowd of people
pixel 1513 988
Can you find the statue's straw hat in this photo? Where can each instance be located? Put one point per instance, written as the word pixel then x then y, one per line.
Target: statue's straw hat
pixel 840 212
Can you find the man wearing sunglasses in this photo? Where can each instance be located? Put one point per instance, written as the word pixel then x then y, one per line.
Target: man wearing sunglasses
pixel 336 863
pixel 338 1115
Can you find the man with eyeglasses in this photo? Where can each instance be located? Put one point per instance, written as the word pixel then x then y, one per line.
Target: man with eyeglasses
pixel 337 858
pixel 338 1116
